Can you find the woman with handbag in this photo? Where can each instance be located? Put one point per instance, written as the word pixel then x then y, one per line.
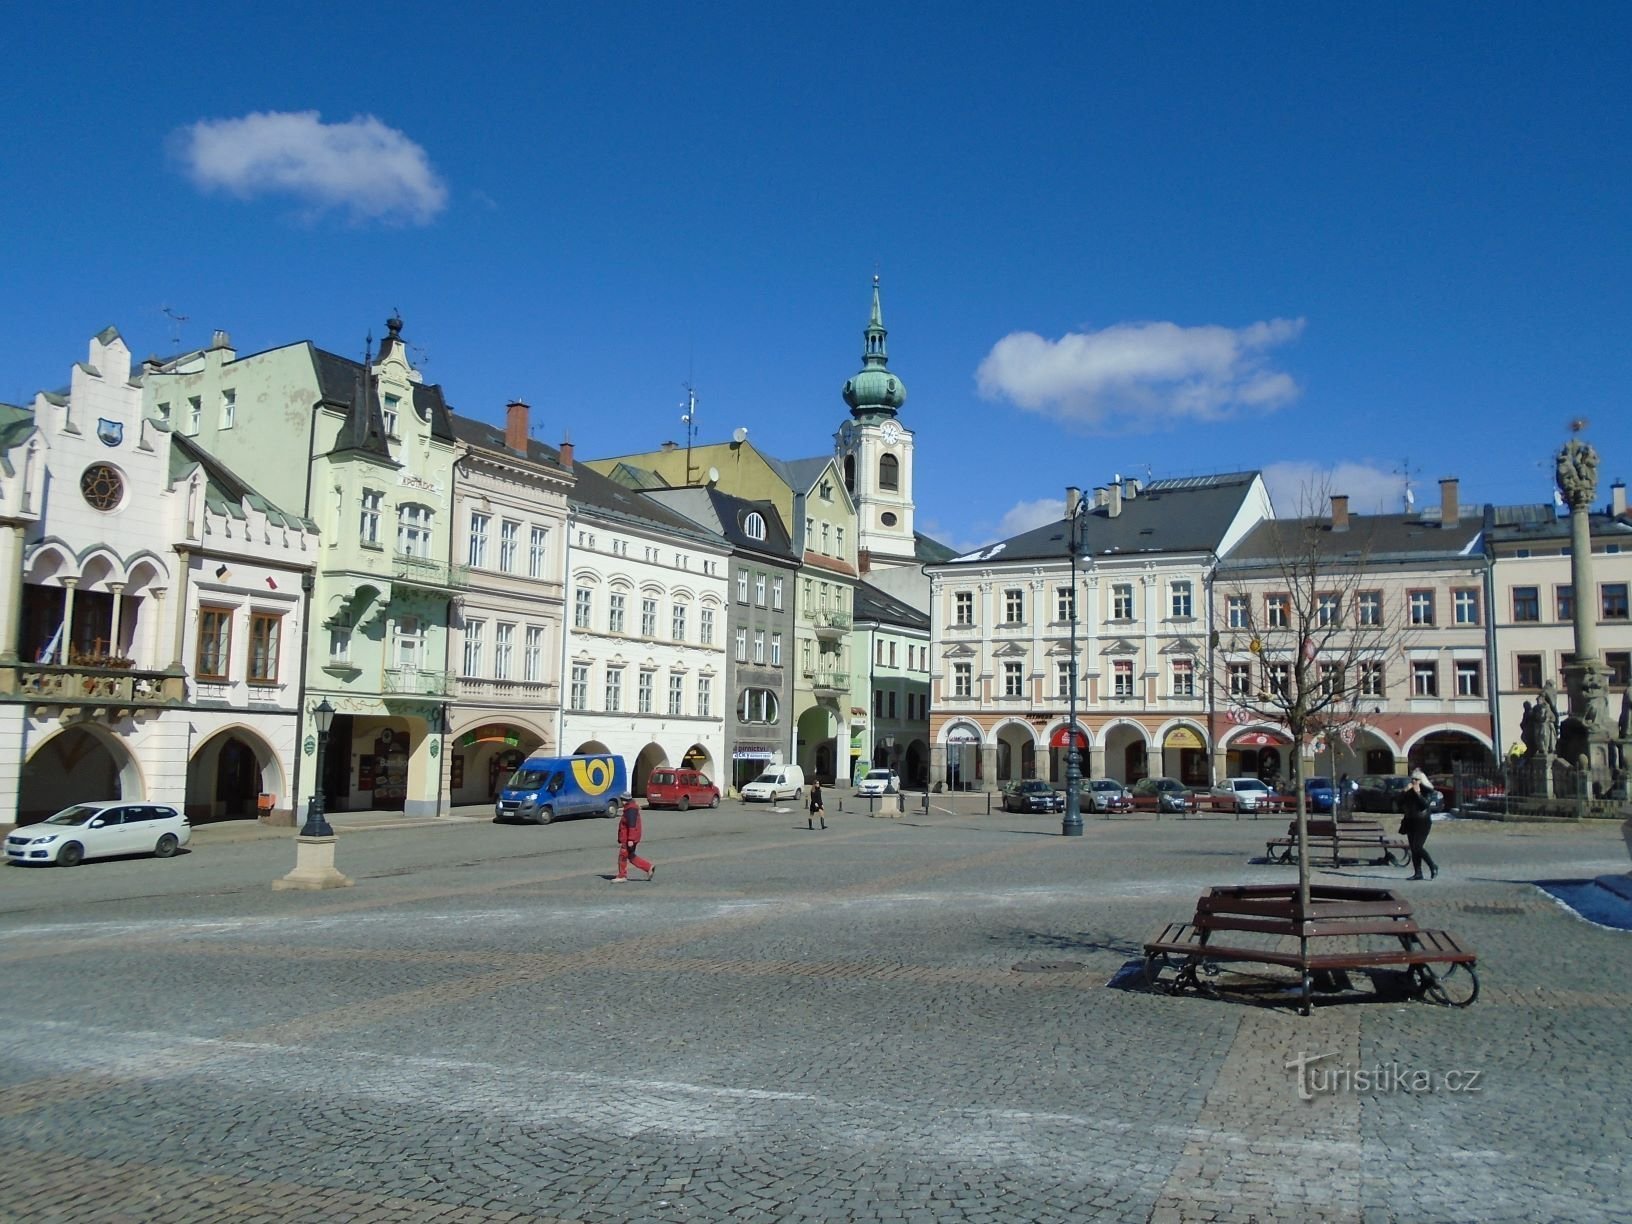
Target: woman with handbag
pixel 1416 824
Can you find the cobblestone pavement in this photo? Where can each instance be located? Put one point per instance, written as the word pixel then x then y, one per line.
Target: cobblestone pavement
pixel 785 1026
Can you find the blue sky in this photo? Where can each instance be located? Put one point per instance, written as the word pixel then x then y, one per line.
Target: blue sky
pixel 1159 238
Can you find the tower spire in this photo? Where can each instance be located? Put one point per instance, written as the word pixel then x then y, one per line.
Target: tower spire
pixel 874 390
pixel 873 350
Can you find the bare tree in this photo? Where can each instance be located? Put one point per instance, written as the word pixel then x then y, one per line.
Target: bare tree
pixel 1306 633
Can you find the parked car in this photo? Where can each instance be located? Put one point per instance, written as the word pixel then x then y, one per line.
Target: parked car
pixel 1163 795
pixel 879 782
pixel 1319 795
pixel 1383 792
pixel 1244 795
pixel 1032 795
pixel 99 830
pixel 1104 795
pixel 681 788
pixel 776 782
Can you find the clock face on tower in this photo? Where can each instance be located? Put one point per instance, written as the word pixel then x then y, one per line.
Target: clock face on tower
pixel 891 433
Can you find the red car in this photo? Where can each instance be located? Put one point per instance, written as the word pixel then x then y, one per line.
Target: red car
pixel 681 788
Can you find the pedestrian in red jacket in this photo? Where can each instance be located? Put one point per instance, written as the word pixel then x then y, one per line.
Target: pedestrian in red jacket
pixel 629 842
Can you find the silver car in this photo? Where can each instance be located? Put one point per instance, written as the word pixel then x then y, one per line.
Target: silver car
pixel 1242 794
pixel 1105 795
pixel 99 830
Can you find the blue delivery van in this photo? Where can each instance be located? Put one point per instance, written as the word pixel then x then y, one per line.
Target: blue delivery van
pixel 546 788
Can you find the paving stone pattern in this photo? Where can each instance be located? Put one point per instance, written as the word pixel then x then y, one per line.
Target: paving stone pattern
pixel 785 1026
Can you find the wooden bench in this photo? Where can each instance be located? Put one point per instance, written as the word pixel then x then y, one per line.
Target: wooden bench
pixel 1440 968
pixel 1332 837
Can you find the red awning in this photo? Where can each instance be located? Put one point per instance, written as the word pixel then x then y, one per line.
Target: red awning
pixel 1058 739
pixel 1262 739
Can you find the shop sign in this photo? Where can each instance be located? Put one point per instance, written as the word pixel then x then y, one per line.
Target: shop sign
pixel 491 733
pixel 1182 737
pixel 963 735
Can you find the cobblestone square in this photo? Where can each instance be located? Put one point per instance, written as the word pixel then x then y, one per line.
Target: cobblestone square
pixel 923 1019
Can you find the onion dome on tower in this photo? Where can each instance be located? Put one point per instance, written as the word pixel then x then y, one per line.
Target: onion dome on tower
pixel 875 392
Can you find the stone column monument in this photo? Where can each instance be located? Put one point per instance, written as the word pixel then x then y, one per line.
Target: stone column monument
pixel 1586 735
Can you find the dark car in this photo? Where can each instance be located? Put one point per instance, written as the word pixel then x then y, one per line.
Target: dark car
pixel 1032 795
pixel 1385 792
pixel 1163 795
pixel 1320 795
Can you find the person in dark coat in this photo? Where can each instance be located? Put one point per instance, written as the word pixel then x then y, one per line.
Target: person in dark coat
pixel 629 842
pixel 1416 824
pixel 817 812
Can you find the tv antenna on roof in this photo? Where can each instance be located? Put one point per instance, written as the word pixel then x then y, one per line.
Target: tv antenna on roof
pixel 176 321
pixel 689 420
pixel 1408 496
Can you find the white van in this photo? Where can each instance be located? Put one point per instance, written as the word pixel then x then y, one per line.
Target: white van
pixel 777 782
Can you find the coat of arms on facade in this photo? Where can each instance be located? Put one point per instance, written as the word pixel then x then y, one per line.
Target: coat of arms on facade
pixel 111 432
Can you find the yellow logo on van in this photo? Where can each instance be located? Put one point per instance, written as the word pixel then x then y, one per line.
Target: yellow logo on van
pixel 594 776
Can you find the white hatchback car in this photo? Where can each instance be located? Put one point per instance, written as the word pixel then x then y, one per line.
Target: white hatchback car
pixel 99 830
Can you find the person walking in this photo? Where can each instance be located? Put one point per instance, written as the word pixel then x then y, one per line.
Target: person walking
pixel 1416 824
pixel 629 842
pixel 817 812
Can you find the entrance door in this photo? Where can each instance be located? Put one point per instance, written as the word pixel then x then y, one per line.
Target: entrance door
pixel 237 779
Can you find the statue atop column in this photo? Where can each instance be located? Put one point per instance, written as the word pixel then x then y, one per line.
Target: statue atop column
pixel 1585 736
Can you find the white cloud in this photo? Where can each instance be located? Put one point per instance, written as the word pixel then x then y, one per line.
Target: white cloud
pixel 1026 515
pixel 1301 488
pixel 372 171
pixel 1142 374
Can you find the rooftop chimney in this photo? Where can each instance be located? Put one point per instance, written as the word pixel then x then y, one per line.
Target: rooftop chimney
pixel 1617 499
pixel 220 339
pixel 515 427
pixel 1073 499
pixel 1447 502
pixel 1113 500
pixel 1340 511
pixel 1130 488
pixel 566 455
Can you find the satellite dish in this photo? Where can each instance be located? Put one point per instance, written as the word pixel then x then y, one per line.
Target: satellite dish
pixel 713 475
pixel 739 434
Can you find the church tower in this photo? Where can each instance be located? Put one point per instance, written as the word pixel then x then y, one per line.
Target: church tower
pixel 875 454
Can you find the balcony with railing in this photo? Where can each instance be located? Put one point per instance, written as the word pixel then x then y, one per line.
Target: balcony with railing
pixel 510 692
pixel 413 681
pixel 79 685
pixel 824 681
pixel 831 623
pixel 429 573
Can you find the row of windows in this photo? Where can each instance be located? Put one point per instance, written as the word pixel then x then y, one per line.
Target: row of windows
pixel 214 659
pixel 618 616
pixel 1612 602
pixel 1528 668
pixel 760 656
pixel 408 634
pixel 504 660
pixel 884 705
pixel 502 549
pixel 645 694
pixel 195 412
pixel 1272 678
pixel 832 538
pixel 822 597
pixel 760 579
pixel 885 655
pixel 415 524
pixel 652 552
pixel 1180 605
pixel 1420 606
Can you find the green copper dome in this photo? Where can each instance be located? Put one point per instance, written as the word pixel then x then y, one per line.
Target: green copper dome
pixel 874 390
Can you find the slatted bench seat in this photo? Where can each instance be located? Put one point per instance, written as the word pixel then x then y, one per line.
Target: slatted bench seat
pixel 1331 838
pixel 1441 969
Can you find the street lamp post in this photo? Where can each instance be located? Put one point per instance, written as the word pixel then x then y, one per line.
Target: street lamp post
pixel 314 846
pixel 316 825
pixel 1071 822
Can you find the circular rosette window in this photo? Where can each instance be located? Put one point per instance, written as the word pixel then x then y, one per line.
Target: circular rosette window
pixel 102 486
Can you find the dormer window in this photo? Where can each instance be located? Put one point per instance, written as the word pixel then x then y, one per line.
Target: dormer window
pixel 754 526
